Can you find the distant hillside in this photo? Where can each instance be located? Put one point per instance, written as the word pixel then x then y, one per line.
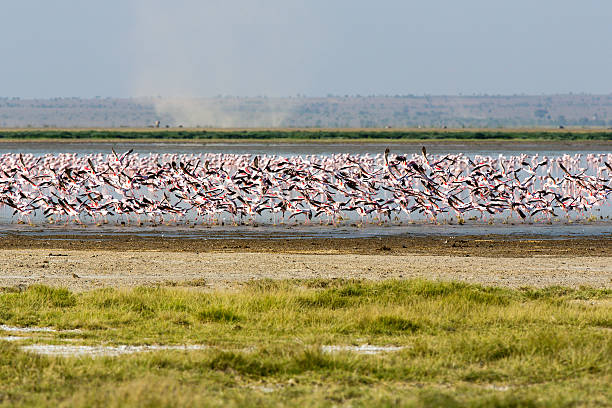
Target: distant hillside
pixel 329 112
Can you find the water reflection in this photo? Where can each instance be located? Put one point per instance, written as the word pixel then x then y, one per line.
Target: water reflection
pixel 552 148
pixel 299 231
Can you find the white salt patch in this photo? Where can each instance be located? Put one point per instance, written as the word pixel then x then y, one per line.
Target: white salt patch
pixel 363 349
pixel 13 338
pixel 497 387
pixel 263 389
pixel 35 329
pixel 100 351
pixel 26 329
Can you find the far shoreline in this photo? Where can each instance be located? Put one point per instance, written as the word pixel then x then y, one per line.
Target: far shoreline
pixel 204 136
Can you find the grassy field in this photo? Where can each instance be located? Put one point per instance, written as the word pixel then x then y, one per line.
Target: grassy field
pixel 309 134
pixel 462 345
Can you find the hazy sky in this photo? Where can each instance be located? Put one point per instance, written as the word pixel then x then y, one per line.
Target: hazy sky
pixel 311 47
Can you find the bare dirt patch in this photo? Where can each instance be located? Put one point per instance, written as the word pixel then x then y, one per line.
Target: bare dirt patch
pixel 85 264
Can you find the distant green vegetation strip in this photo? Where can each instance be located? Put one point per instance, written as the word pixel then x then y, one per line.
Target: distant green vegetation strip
pixel 308 134
pixel 460 345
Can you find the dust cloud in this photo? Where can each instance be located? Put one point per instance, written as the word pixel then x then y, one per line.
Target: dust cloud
pixel 187 56
pixel 221 112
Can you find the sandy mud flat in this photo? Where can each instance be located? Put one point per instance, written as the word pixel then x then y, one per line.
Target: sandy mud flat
pixel 87 262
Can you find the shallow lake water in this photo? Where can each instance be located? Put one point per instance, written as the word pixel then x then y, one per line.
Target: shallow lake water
pixel 310 148
pixel 599 225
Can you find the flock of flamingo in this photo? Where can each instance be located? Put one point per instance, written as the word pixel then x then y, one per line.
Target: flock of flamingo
pixel 385 186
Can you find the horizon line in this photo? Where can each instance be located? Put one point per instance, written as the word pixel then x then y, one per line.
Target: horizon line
pixel 328 96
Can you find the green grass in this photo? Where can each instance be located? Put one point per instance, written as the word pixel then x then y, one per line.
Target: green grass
pixel 464 345
pixel 309 134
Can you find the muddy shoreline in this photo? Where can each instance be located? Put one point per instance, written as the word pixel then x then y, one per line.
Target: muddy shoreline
pixel 477 245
